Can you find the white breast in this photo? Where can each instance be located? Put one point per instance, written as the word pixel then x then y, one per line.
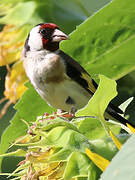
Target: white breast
pixel 55 94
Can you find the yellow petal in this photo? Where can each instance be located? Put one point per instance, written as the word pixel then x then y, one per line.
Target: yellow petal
pixel 115 140
pixel 14 84
pixel 132 129
pixel 9 48
pixel 11 42
pixel 100 161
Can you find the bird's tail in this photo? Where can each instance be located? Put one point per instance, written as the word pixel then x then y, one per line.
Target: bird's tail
pixel 117 117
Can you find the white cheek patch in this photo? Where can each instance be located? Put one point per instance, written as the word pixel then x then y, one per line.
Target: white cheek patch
pixel 35 39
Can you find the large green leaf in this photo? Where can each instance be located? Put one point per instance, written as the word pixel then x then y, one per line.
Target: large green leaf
pixel 98 103
pixel 122 166
pixel 104 43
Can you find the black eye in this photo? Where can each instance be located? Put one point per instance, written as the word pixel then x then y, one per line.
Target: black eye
pixel 46 33
pixel 43 31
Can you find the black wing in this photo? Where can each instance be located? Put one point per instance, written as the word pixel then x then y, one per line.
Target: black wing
pixel 75 71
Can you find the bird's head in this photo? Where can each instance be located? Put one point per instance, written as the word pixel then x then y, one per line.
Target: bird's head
pixel 45 36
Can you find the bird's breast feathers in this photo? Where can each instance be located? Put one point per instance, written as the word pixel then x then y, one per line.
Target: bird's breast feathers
pixel 44 67
pixel 48 76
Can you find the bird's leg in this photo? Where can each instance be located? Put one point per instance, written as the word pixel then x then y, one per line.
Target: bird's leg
pixel 45 114
pixel 68 115
pixel 60 111
pixel 71 114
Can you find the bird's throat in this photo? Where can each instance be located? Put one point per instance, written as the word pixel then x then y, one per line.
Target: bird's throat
pixel 51 46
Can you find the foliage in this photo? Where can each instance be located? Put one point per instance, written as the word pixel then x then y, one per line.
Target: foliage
pixel 54 145
pixel 103 44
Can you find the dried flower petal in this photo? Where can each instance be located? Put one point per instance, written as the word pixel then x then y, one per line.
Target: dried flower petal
pixel 10 45
pixel 14 84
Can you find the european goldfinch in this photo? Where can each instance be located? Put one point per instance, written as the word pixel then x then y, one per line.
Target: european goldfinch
pixel 60 80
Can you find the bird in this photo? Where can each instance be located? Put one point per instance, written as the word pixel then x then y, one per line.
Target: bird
pixel 59 79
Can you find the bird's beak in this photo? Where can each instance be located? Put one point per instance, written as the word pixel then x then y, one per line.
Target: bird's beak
pixel 58 36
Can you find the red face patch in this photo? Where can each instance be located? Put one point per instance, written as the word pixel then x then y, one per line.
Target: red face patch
pixel 46 30
pixel 49 25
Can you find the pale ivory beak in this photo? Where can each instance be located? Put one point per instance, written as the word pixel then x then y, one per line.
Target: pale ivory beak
pixel 58 36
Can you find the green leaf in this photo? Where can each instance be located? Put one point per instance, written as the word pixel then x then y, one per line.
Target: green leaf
pixel 105 146
pixel 18 152
pixel 122 165
pixel 104 94
pixel 61 155
pixel 77 165
pixel 94 172
pixel 104 44
pixel 50 124
pixel 93 129
pixel 62 136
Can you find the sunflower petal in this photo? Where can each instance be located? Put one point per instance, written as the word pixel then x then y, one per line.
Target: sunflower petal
pixel 100 161
pixel 115 140
pixel 132 129
pixel 14 84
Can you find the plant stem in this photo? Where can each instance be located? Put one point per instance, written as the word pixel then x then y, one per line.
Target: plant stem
pixel 103 122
